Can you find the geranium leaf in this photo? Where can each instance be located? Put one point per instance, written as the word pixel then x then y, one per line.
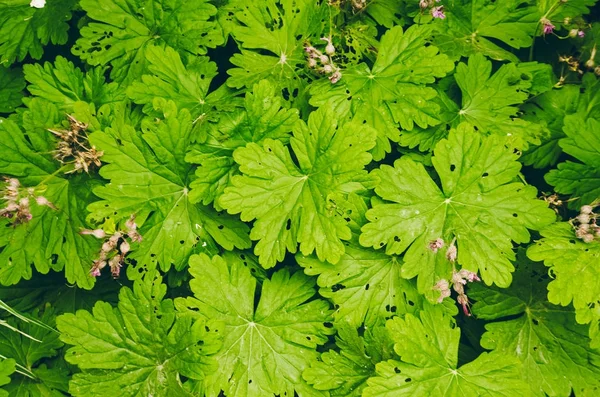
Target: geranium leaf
pixel 554 350
pixel 140 347
pixel 480 204
pixel 151 180
pixel 11 89
pixel 428 348
pixel 393 92
pixel 266 347
pixel 126 28
pixel 288 198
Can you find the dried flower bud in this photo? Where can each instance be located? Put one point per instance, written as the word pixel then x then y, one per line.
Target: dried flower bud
pixel 124 247
pixel 95 272
pixel 469 276
pixel 335 77
pixel 436 244
pixel 463 300
pixel 327 69
pixel 324 59
pixel 587 209
pixel 451 253
pixel 583 218
pixel 444 287
pixel 312 63
pixel 98 233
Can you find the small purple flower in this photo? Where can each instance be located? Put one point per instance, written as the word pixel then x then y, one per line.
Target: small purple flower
pixel 548 27
pixel 438 12
pixel 581 33
pixel 95 273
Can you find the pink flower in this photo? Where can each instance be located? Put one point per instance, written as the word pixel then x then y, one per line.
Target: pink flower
pixel 436 244
pixel 95 273
pixel 423 4
pixel 438 12
pixel 469 276
pixel 463 300
pixel 335 77
pixel 581 33
pixel 548 27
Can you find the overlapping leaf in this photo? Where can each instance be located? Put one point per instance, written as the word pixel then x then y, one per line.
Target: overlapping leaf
pixel 428 348
pixel 266 347
pixel 24 30
pixel 140 347
pixel 345 373
pixel 263 118
pixel 187 86
pixel 481 204
pixel 64 85
pixel 576 269
pixel 365 286
pixel 149 178
pixel 288 198
pixel 474 26
pixel 126 28
pixel 393 92
pixel 11 89
pixel 581 179
pixel 554 350
pixel 34 377
pixel 272 35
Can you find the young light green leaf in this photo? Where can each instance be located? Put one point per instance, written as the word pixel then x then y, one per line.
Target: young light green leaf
pixel 24 30
pixel 393 92
pixel 345 373
pixel 140 347
pixel 365 286
pixel 264 117
pixel 51 240
pixel 265 348
pixel 64 84
pixel 480 204
pixel 151 180
pixel 576 270
pixel 288 198
pixel 580 180
pixel 472 26
pixel 11 89
pixel 125 29
pixel 428 348
pixel 554 350
pixel 7 367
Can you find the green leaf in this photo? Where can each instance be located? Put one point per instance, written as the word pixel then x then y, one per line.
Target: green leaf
pixel 554 349
pixel 149 178
pixel 24 30
pixel 7 367
pixel 266 347
pixel 187 86
pixel 489 102
pixel 31 355
pixel 582 179
pixel 63 84
pixel 288 198
pixel 51 240
pixel 428 348
pixel 263 118
pixel 345 373
pixel 574 266
pixel 559 12
pixel 11 89
pixel 550 109
pixel 140 347
pixel 480 204
pixel 475 26
pixel 126 28
pixel 393 92
pixel 271 36
pixel 365 286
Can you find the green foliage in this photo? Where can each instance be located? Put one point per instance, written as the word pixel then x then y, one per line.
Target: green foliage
pixel 230 198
